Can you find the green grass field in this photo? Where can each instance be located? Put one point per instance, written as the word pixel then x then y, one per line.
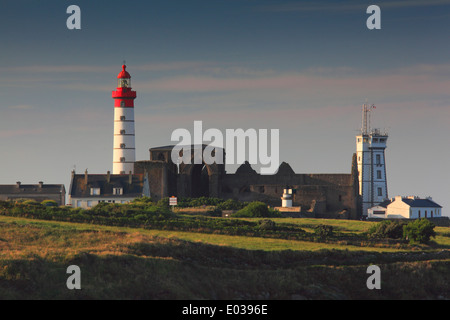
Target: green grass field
pixel 134 263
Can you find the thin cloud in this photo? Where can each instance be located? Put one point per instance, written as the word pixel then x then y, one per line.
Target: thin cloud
pixel 421 79
pixel 21 132
pixel 348 6
pixel 21 107
pixel 176 65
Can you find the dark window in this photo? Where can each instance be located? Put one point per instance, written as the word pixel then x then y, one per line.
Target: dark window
pixel 378 159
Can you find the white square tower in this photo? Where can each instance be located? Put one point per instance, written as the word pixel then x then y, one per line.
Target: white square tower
pixel 370 153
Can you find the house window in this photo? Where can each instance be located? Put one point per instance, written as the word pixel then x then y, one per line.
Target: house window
pixel 426 214
pixel 378 159
pixel 378 174
pixel 122 131
pixel 122 145
pixel 117 191
pixel 78 205
pixel 380 192
pixel 122 159
pixel 419 214
pixel 89 204
pixel 122 118
pixel 95 191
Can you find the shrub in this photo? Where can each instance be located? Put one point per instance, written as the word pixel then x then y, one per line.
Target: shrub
pixel 388 229
pixel 142 200
pixel 163 203
pixel 257 209
pixel 267 224
pixel 323 231
pixel 231 204
pixel 216 212
pixel 419 231
pixel 31 203
pixel 49 203
pixel 6 204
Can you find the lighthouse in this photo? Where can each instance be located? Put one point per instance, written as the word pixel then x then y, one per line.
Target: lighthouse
pixel 370 150
pixel 124 154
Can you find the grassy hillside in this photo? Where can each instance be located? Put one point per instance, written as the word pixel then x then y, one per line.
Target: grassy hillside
pixel 135 263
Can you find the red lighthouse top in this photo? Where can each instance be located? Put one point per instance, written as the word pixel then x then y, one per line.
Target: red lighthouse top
pixel 123 96
pixel 124 74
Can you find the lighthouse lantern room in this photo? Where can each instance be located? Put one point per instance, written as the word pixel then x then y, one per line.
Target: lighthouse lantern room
pixel 124 154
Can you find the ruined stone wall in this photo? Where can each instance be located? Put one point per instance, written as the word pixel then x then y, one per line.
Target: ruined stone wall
pixel 322 192
pixel 162 177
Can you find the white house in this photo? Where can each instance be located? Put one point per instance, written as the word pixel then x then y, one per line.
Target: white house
pixel 411 207
pixel 88 190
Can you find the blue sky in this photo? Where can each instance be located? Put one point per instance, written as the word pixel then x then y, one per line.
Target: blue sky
pixel 304 67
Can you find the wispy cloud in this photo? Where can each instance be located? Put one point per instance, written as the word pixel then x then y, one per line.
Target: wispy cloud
pixel 348 5
pixel 21 107
pixel 21 132
pixel 43 69
pixel 420 79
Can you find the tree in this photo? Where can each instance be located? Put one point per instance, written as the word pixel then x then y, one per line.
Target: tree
pixel 388 229
pixel 419 231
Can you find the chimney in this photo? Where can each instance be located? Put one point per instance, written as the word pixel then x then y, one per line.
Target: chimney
pixel 86 177
pixel 130 178
pixel 108 176
pixel 18 184
pixel 41 184
pixel 73 174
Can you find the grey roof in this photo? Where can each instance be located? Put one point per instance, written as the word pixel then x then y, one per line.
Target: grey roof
pixel 192 146
pixel 385 203
pixel 31 189
pixel 245 168
pixel 79 188
pixel 285 169
pixel 421 203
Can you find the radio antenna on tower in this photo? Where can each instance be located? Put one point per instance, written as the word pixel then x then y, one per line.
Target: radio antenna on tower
pixel 365 129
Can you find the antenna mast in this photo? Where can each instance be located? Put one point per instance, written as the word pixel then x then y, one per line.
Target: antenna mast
pixel 365 129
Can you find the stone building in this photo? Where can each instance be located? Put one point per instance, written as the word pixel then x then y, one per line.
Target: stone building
pixel 323 194
pixel 38 192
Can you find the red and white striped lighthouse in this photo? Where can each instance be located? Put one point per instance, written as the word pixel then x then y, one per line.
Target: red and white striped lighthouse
pixel 124 154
